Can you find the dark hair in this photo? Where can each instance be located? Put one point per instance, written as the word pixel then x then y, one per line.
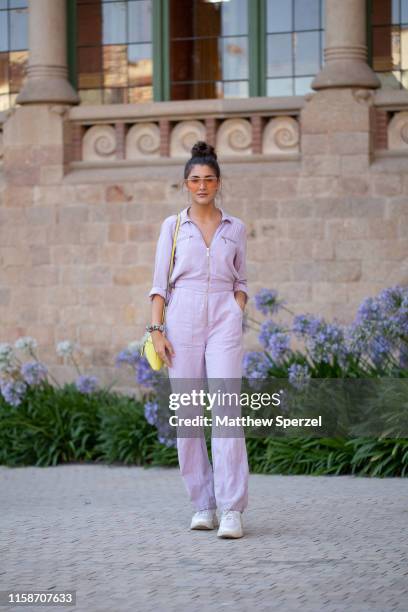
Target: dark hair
pixel 205 155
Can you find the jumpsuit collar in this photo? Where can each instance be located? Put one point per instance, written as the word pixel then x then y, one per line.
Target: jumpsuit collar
pixel 185 218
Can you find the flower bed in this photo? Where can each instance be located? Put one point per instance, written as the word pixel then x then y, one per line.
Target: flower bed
pixel 44 423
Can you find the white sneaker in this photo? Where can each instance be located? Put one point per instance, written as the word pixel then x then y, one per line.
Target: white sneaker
pixel 231 524
pixel 204 519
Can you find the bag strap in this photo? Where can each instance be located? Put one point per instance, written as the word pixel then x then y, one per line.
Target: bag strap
pixel 171 264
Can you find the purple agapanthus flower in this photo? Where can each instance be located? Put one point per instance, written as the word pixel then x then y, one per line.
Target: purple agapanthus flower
pixel 86 384
pixel 268 329
pixel 362 340
pixel 386 313
pixel 255 364
pixel 369 311
pixel 274 339
pixel 380 349
pixel 127 356
pixel 380 328
pixel 323 340
pixel 13 391
pixel 279 345
pixel 299 376
pixel 145 376
pixel 33 372
pixel 151 410
pixel 267 302
pixel 327 342
pixel 394 301
pixel 306 325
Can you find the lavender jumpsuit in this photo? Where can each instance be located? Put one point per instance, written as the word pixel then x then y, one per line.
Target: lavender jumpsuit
pixel 204 325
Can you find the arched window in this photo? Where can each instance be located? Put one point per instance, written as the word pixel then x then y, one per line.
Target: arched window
pixel 388 41
pixel 13 49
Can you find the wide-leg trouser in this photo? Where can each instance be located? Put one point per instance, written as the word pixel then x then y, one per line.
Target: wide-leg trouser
pixel 204 326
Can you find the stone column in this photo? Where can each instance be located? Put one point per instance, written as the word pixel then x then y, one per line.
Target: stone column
pixel 47 74
pixel 345 52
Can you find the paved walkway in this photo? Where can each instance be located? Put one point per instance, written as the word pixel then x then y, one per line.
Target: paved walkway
pixel 119 536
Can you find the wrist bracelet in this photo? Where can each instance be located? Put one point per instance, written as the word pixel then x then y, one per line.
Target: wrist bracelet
pixel 154 327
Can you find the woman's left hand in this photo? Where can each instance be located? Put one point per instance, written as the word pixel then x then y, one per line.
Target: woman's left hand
pixel 240 299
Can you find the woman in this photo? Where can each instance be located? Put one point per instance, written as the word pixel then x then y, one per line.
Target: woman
pixel 203 336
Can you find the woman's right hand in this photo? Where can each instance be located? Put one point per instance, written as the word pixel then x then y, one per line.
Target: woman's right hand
pixel 162 346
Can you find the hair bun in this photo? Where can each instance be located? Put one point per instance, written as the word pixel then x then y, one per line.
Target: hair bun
pixel 202 149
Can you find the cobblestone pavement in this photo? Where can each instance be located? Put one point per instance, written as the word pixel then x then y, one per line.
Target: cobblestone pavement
pixel 120 537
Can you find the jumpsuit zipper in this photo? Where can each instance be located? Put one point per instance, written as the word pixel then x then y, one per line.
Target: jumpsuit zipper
pixel 208 256
pixel 208 277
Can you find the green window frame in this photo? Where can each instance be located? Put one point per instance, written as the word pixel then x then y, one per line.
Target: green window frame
pixel 257 47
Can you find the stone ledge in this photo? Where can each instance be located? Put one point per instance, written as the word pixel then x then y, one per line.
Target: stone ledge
pixel 185 109
pixel 97 172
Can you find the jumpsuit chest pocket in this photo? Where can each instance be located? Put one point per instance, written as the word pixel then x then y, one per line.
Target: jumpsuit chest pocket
pixel 183 239
pixel 229 245
pixel 228 241
pixel 183 247
pixel 225 250
pixel 189 250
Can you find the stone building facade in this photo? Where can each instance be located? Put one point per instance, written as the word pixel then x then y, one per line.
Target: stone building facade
pixel 320 180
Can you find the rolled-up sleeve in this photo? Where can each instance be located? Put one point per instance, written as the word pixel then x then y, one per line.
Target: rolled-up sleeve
pixel 240 283
pixel 162 259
